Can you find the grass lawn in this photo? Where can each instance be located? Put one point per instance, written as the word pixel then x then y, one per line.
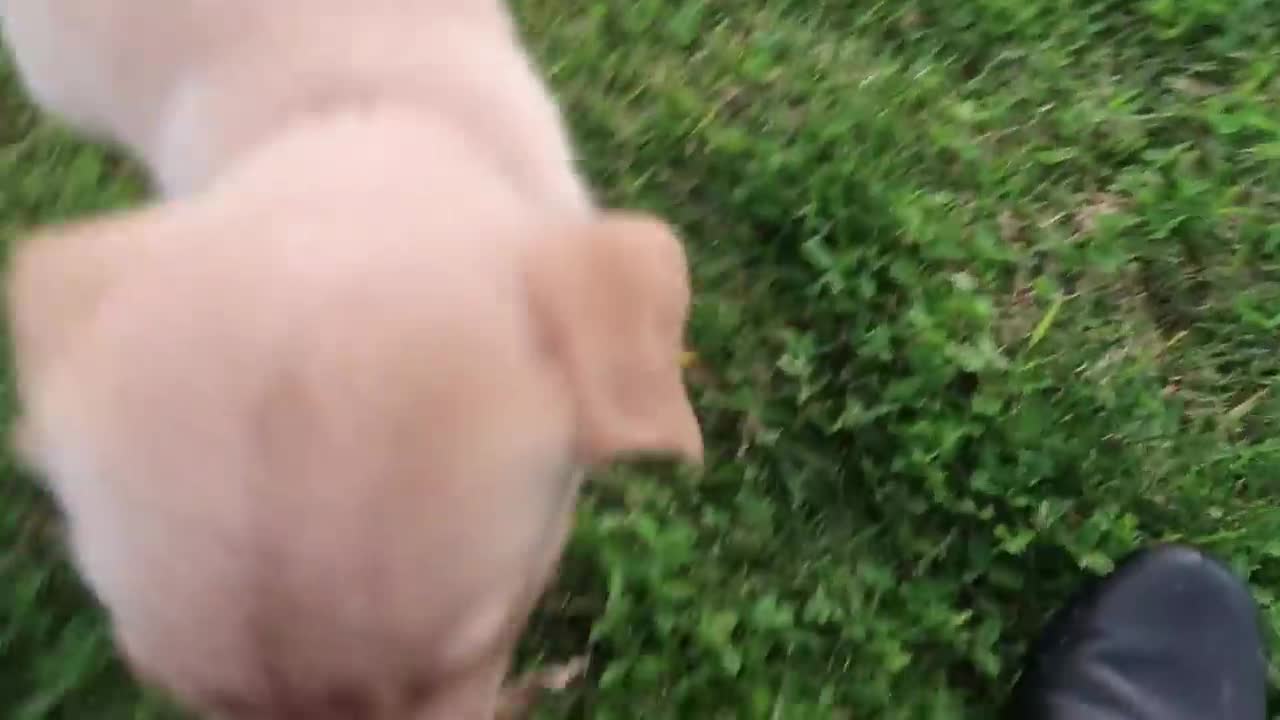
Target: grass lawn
pixel 988 294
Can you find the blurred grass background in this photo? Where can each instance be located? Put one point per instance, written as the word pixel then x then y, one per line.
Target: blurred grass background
pixel 987 296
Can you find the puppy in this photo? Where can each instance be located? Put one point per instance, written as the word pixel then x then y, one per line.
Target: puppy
pixel 317 421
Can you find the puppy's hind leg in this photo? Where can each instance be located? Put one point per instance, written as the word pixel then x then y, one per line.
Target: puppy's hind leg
pixel 469 695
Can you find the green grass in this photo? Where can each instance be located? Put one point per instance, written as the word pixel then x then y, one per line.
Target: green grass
pixel 988 294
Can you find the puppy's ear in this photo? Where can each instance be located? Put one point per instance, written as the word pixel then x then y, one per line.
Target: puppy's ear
pixel 56 281
pixel 58 278
pixel 612 298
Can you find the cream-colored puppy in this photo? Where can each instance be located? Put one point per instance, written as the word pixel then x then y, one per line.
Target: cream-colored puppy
pixel 317 421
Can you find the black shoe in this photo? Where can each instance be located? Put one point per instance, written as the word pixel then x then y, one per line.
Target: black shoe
pixel 1169 635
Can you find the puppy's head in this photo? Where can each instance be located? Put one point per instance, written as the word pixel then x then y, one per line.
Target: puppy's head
pixel 609 301
pixel 277 465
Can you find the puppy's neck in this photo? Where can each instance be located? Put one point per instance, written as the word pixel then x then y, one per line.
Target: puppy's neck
pixel 467 69
pixel 213 129
pixel 388 153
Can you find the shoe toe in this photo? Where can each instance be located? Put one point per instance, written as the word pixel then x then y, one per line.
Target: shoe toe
pixel 1170 635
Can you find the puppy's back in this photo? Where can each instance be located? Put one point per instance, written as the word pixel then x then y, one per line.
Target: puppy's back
pixel 190 85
